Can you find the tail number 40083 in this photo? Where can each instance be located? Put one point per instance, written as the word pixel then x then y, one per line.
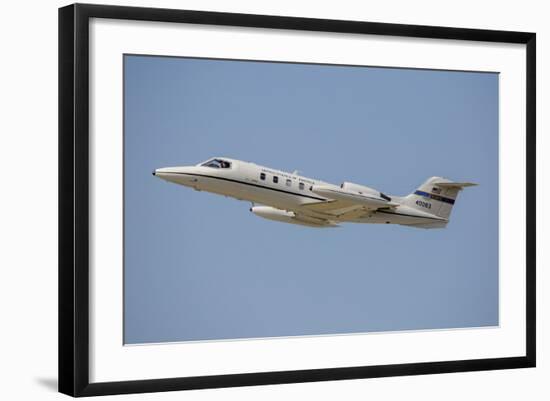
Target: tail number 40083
pixel 427 205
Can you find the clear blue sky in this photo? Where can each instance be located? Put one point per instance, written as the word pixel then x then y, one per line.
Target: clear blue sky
pixel 386 128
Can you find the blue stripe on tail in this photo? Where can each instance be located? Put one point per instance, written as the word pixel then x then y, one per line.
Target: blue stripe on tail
pixel 435 197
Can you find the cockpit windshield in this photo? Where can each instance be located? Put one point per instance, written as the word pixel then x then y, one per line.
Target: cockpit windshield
pixel 217 163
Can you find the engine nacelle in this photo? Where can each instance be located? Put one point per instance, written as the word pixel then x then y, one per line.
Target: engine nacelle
pixel 361 189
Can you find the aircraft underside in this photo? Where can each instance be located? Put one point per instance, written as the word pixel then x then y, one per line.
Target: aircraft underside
pixel 313 213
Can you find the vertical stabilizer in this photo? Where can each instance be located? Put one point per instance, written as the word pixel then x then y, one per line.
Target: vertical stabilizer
pixel 436 196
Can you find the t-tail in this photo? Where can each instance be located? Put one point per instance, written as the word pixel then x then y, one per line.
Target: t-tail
pixel 436 196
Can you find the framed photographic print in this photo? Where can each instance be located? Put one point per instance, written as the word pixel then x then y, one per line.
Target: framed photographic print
pixel 250 199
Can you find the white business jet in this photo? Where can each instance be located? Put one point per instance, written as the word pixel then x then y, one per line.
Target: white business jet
pixel 291 198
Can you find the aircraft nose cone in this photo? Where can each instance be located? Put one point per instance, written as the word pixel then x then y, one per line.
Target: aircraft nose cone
pixel 180 175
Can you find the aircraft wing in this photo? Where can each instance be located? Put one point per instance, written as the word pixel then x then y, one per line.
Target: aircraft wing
pixel 341 201
pixel 305 220
pixel 288 216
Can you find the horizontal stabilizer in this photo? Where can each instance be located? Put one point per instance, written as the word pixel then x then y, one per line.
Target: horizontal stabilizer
pixel 437 224
pixel 457 185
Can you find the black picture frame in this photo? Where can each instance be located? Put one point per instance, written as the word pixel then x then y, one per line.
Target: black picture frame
pixel 74 198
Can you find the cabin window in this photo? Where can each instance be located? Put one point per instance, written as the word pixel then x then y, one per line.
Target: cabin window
pixel 217 163
pixel 275 179
pixel 384 196
pixel 262 176
pixel 288 182
pixel 301 185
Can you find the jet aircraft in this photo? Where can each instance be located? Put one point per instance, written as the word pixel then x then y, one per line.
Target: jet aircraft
pixel 292 198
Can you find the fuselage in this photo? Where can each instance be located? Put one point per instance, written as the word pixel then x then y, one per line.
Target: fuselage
pixel 283 190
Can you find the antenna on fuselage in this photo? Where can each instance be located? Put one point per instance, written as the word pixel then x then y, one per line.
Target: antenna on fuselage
pixel 296 172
